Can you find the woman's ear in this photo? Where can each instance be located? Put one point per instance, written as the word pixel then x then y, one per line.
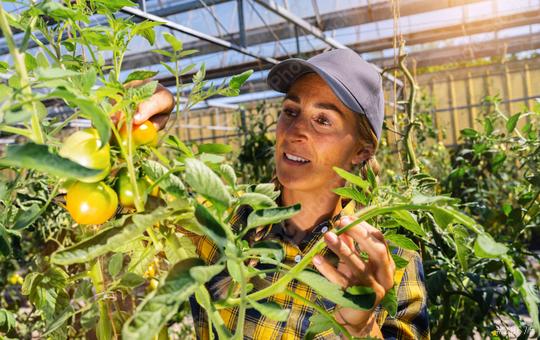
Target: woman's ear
pixel 363 153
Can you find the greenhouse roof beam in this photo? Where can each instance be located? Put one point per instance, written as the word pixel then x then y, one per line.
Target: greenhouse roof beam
pixel 435 56
pixel 298 21
pixel 185 7
pixel 264 34
pixel 306 26
pixel 333 20
pixel 197 34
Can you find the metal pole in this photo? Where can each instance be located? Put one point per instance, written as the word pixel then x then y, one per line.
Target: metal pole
pixel 142 5
pixel 241 25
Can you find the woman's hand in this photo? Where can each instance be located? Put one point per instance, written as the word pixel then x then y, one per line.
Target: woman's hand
pixel 376 270
pixel 157 108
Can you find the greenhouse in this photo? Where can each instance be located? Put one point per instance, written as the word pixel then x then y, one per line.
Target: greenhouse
pixel 269 169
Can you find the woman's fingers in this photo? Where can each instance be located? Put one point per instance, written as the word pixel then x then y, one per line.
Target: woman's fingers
pixel 161 102
pixel 160 120
pixel 346 254
pixel 371 241
pixel 330 272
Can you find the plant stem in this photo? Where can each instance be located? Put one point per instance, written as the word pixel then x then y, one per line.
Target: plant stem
pixel 321 310
pixel 412 162
pixel 20 67
pixel 243 303
pixel 104 330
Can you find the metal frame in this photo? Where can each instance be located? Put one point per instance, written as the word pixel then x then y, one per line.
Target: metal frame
pixel 194 33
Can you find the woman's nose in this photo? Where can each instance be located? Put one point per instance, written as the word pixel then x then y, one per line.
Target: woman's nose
pixel 297 129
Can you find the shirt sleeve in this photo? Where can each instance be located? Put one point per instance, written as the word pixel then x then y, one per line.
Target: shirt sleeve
pixel 411 320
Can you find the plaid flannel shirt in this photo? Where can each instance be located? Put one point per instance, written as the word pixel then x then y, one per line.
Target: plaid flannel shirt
pixel 410 322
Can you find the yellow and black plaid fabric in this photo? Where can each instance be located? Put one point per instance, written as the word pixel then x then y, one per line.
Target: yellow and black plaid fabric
pixel 411 321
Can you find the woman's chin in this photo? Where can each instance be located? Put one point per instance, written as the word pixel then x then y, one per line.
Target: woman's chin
pixel 291 182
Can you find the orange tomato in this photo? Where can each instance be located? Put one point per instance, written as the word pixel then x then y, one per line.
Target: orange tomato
pixel 143 134
pixel 91 203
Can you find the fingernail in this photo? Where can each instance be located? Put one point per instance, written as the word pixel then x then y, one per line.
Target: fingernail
pixel 317 260
pixel 137 117
pixel 331 237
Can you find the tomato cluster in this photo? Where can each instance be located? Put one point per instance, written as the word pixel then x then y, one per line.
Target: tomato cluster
pixel 91 200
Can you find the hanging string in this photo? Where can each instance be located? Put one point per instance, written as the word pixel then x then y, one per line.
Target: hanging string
pixel 397 45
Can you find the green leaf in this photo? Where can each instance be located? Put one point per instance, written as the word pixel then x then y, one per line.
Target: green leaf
pixel 91 110
pixel 334 293
pixel 146 30
pixel 530 296
pixel 460 236
pixel 140 75
pixel 5 242
pixel 211 226
pixel 272 215
pixel 38 157
pixel 131 280
pixel 162 304
pixel 268 249
pixel 236 82
pixel 214 148
pixel 54 73
pixel 234 270
pixel 115 264
pixel 175 43
pixel 30 61
pixel 26 217
pixel 228 174
pixel 267 189
pixel 207 183
pixel 468 132
pixel 399 261
pixel 353 179
pixel 442 217
pixel 512 122
pixel 108 239
pixel 177 143
pixel 271 310
pixel 389 302
pixel 318 323
pixel 140 93
pixel 486 247
pixel 7 321
pixel 172 184
pixel 204 274
pixel 115 5
pixel 256 201
pixel 407 221
pixel 352 193
pixel 401 241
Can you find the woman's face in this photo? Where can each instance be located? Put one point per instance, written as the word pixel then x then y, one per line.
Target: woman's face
pixel 315 132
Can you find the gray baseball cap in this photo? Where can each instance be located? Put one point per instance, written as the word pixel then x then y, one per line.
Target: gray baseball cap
pixel 354 81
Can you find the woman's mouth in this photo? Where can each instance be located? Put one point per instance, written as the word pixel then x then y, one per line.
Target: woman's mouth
pixel 294 159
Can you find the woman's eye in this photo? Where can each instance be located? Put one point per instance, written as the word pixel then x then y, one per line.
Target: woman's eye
pixel 323 121
pixel 289 112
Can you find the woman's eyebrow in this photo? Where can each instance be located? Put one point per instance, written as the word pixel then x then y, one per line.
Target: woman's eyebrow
pixel 329 106
pixel 292 97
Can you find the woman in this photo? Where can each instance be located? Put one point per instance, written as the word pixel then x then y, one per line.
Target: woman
pixel 332 115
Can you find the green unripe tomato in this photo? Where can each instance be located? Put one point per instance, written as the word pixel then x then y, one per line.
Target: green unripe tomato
pixel 126 192
pixel 84 147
